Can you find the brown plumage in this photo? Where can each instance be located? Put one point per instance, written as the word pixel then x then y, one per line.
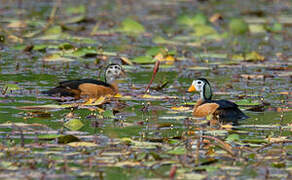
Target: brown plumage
pixel 90 88
pixel 223 110
pixel 203 110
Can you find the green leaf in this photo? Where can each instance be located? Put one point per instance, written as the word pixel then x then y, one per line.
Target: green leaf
pixel 75 10
pixel 74 19
pixel 65 139
pixel 257 28
pixel 238 26
pixel 108 114
pixel 276 27
pixel 204 30
pixel 84 51
pixel 57 57
pixel 153 51
pixel 177 151
pixel 198 19
pixel 66 46
pixel 143 60
pixel 233 137
pixel 131 26
pixel 247 102
pixel 11 87
pixel 53 30
pixel 40 47
pixel 48 136
pixel 74 124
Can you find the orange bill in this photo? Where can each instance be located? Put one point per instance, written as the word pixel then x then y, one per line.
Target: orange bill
pixel 192 88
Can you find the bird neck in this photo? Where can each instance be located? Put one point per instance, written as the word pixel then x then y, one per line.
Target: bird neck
pixel 202 96
pixel 206 93
pixel 115 86
pixel 199 102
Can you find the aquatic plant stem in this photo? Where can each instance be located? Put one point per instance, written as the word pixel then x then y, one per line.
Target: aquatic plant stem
pixel 155 70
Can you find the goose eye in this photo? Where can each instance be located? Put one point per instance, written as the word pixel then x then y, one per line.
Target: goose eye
pixel 199 82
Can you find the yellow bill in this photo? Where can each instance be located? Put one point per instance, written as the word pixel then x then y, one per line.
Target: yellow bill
pixel 192 88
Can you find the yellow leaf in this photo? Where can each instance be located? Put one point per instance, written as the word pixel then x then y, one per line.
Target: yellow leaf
pixel 118 95
pixel 94 102
pixel 82 144
pixel 168 59
pixel 181 108
pixel 148 96
pixel 270 139
pixel 126 60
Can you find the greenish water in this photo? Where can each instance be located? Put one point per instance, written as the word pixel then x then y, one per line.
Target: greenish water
pixel 136 144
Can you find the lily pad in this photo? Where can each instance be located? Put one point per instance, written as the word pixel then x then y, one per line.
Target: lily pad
pixel 74 124
pixel 143 60
pixel 238 26
pixel 131 26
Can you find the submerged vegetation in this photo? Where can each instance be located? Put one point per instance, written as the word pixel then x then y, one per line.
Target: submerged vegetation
pixel 146 130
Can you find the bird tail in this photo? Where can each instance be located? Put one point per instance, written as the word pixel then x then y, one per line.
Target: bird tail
pixel 57 91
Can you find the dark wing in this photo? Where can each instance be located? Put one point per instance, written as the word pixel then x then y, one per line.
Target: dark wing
pixel 74 84
pixel 223 104
pixel 65 87
pixel 228 111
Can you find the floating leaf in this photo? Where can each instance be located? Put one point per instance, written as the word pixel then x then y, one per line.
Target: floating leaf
pixel 108 114
pixel 75 10
pixel 74 19
pixel 143 60
pixel 247 102
pixel 232 137
pixel 131 26
pixel 257 28
pixel 65 139
pixel 276 27
pixel 85 51
pixel 189 20
pixel 204 30
pixel 252 56
pixel 153 51
pixel 95 102
pixel 73 124
pixel 177 151
pixel 66 46
pixel 238 26
pixel 82 144
pixel 11 87
pixel 181 108
pixel 57 57
pixel 53 30
pixel 48 136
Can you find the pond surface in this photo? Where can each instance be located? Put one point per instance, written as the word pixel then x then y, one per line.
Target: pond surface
pixel 138 136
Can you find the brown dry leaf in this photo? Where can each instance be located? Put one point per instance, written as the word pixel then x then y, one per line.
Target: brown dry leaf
pixel 285 93
pixel 215 17
pixel 17 24
pixel 278 139
pixel 126 61
pixel 279 109
pixel 15 39
pixel 9 124
pixel 127 164
pixel 256 76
